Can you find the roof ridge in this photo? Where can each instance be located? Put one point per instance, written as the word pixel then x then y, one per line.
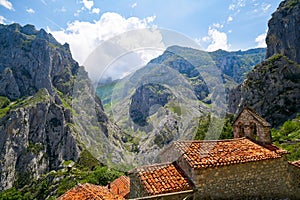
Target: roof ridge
pixel 256 114
pixel 207 141
pixel 150 165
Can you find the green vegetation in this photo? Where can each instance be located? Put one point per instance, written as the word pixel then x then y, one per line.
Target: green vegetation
pixel 41 96
pixel 291 4
pixel 175 108
pixel 55 183
pixel 4 101
pixel 288 137
pixel 208 125
pixel 105 92
pixel 35 147
pixel 87 161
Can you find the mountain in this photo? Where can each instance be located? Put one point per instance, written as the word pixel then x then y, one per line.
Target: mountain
pixel 273 87
pixel 164 100
pixel 49 113
pixel 283 34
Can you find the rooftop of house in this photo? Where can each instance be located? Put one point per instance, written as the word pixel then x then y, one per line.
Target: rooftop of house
pixel 89 191
pixel 163 178
pixel 255 115
pixel 212 153
pixel 120 186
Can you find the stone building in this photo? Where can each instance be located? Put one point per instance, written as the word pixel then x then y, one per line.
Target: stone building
pixel 251 125
pixel 248 166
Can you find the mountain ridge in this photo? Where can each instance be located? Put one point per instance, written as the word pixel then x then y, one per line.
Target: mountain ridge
pixel 50 113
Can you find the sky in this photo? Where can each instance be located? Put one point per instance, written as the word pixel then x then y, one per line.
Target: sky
pixel 84 24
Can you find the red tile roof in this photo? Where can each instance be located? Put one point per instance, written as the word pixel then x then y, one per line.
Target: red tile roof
pixel 163 178
pixel 120 186
pixel 296 163
pixel 88 192
pixel 204 154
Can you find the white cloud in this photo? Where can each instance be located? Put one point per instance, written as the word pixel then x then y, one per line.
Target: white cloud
pixel 217 39
pixel 30 10
pixel 261 40
pixel 7 4
pixel 84 36
pixel 2 20
pixel 218 25
pixel 96 10
pixel 237 4
pixel 262 8
pixel 266 7
pixel 88 4
pixel 63 9
pixel 229 19
pixel 133 5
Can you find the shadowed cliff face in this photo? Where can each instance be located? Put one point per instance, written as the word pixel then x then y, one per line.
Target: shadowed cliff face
pixel 273 87
pixel 284 33
pixel 51 113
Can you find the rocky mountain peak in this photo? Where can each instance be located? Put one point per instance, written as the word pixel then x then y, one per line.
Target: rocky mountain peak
pixel 49 113
pixel 284 34
pixel 31 60
pixel 272 88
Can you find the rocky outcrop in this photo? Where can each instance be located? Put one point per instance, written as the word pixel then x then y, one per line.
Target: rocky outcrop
pixel 53 114
pixel 31 60
pixel 284 34
pixel 146 100
pixel 35 138
pixel 185 68
pixel 272 89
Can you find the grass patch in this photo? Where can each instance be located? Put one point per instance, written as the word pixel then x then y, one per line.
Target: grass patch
pixel 288 138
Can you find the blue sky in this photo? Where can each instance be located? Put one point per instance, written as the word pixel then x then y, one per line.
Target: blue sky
pixel 214 24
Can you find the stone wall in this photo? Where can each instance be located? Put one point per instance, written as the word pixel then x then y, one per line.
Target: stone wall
pixel 294 175
pixel 245 126
pixel 267 179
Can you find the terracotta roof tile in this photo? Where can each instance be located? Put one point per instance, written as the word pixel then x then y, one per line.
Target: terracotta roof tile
pixel 120 186
pixel 203 154
pixel 296 163
pixel 88 192
pixel 163 178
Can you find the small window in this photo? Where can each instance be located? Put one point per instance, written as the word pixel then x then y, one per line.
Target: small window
pixel 253 130
pixel 241 129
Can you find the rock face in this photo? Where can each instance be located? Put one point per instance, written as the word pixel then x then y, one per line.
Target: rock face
pixel 35 138
pixel 273 87
pixel 146 101
pixel 53 112
pixel 284 33
pixel 31 60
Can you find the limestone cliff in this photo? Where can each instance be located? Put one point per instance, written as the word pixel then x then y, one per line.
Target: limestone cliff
pixel 51 113
pixel 284 34
pixel 273 87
